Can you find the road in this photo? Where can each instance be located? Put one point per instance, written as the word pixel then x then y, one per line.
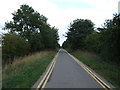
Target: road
pixel 67 73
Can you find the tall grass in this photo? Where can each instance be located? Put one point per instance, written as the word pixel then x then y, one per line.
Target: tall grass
pixel 24 72
pixel 109 71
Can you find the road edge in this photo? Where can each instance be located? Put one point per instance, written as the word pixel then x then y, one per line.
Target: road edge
pixel 88 69
pixel 49 69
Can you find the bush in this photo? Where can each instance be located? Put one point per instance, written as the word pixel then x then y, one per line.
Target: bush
pixel 13 46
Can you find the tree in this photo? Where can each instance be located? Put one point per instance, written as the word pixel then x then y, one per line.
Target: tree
pixel 50 37
pixel 54 38
pixel 33 27
pixel 110 39
pixel 66 44
pixel 92 42
pixel 13 46
pixel 27 23
pixel 78 31
pixel 28 30
pixel 37 42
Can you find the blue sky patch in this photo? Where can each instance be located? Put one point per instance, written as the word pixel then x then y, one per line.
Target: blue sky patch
pixel 71 4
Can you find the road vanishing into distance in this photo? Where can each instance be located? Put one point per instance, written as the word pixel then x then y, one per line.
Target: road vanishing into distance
pixel 67 72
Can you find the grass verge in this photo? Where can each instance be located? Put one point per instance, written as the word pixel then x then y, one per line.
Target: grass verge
pixel 109 71
pixel 25 72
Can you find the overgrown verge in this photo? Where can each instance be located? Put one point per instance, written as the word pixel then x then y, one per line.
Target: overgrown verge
pixel 25 72
pixel 110 71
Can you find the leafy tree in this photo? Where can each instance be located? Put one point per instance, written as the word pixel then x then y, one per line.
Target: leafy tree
pixel 78 31
pixel 110 36
pixel 13 46
pixel 36 42
pixel 27 23
pixel 66 44
pixel 50 37
pixel 92 42
pixel 54 38
pixel 28 31
pixel 32 26
pixel 105 41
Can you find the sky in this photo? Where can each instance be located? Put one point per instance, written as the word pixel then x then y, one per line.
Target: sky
pixel 61 13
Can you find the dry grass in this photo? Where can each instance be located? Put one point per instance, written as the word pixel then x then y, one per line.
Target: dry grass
pixel 26 60
pixel 24 72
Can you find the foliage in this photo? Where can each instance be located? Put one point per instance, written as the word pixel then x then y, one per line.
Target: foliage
pixel 92 42
pixel 13 46
pixel 110 39
pixel 23 73
pixel 110 71
pixel 66 44
pixel 33 28
pixel 50 37
pixel 78 31
pixel 105 41
pixel 26 22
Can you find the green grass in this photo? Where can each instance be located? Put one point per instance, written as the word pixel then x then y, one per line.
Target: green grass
pixel 25 72
pixel 108 70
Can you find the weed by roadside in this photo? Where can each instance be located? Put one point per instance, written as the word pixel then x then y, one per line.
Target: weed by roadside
pixel 25 72
pixel 108 70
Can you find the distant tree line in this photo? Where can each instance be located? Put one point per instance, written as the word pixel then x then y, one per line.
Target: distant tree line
pixel 28 32
pixel 104 41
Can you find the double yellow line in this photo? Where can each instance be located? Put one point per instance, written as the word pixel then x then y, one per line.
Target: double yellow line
pixel 101 82
pixel 43 82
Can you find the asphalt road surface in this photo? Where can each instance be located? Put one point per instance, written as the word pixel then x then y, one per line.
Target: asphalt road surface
pixel 68 73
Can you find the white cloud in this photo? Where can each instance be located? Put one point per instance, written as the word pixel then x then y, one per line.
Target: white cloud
pixel 61 17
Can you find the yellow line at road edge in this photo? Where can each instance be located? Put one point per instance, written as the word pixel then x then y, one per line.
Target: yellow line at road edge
pixel 48 76
pixel 91 73
pixel 49 71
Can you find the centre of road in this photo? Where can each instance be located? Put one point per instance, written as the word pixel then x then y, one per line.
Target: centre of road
pixel 43 82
